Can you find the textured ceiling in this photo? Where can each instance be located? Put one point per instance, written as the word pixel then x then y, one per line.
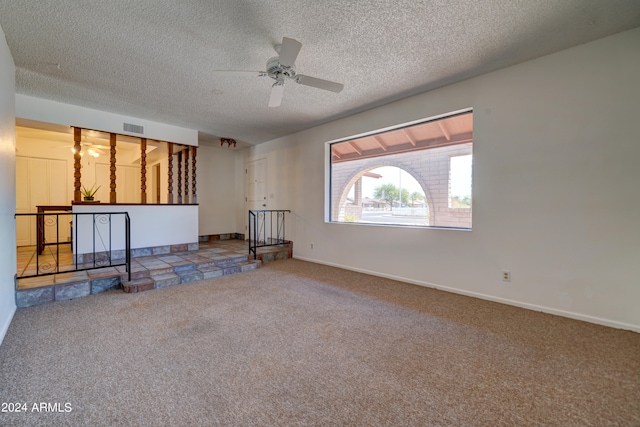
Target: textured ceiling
pixel 154 59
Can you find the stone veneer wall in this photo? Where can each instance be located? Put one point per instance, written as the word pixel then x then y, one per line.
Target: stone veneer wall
pixel 157 250
pixel 226 236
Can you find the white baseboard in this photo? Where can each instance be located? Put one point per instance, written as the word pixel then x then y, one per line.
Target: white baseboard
pixel 534 307
pixel 5 326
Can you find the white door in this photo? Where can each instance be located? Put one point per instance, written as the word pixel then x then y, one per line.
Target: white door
pixel 155 184
pixel 256 187
pixel 256 172
pixel 58 190
pixel 40 182
pixel 131 179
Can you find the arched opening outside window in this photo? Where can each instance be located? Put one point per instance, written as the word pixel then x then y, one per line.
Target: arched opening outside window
pixel 384 195
pixel 416 175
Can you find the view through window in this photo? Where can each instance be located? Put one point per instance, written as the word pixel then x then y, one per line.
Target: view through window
pixel 418 175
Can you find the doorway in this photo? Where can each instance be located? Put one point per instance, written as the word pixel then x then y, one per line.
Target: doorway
pixel 256 186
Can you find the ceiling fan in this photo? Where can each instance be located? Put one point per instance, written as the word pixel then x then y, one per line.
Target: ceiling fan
pixel 281 68
pixel 94 150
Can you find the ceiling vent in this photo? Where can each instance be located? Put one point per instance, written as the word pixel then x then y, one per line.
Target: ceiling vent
pixel 128 127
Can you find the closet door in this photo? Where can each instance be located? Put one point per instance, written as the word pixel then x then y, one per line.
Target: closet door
pixel 38 192
pixel 131 180
pixel 40 182
pixel 57 180
pixel 127 183
pixel 103 180
pixel 23 229
pixel 57 183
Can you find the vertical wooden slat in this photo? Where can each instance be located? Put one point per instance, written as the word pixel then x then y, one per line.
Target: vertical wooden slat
pixel 170 172
pixel 143 170
pixel 77 165
pixel 186 175
pixel 194 196
pixel 112 168
pixel 180 177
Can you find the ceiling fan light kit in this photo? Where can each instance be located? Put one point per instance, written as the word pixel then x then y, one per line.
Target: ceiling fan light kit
pixel 87 147
pixel 90 151
pixel 281 68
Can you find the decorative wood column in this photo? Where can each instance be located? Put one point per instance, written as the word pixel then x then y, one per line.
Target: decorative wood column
pixel 170 173
pixel 186 175
pixel 194 196
pixel 112 168
pixel 179 177
pixel 143 171
pixel 77 164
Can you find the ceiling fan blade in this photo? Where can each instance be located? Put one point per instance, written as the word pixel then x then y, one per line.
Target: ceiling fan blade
pixel 277 91
pixel 238 72
pixel 319 83
pixel 289 51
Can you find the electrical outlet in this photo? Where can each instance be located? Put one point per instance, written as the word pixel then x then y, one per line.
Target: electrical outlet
pixel 506 276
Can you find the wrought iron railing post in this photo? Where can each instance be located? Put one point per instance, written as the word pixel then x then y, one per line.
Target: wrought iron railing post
pixel 127 226
pixel 93 239
pixel 40 229
pixel 57 240
pixel 110 239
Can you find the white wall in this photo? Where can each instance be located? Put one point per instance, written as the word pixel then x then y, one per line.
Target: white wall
pixel 151 225
pixel 7 187
pixel 43 110
pixel 216 187
pixel 555 187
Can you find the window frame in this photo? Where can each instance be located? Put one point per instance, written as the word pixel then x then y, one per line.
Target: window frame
pixel 329 172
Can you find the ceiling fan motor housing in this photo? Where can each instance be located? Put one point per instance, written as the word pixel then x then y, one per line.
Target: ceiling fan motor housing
pixel 277 71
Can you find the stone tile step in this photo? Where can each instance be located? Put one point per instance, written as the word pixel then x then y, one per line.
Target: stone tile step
pixel 153 275
pixel 137 271
pixel 103 273
pixel 66 289
pixel 167 279
pixel 210 272
pixel 249 265
pixel 71 277
pixel 239 258
pixel 138 285
pixel 232 269
pixel 275 255
pixel 186 268
pixel 190 276
pixel 159 272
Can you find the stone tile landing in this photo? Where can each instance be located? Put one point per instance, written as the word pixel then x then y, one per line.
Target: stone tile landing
pixel 213 258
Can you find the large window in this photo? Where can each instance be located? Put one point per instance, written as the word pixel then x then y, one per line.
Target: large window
pixel 418 175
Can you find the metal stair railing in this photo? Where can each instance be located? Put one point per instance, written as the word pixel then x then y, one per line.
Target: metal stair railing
pixel 96 240
pixel 266 228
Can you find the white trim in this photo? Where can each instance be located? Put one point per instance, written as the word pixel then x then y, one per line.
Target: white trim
pixel 5 327
pixel 48 111
pixel 548 310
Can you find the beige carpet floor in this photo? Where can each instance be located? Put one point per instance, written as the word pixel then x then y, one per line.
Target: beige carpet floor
pixel 296 343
